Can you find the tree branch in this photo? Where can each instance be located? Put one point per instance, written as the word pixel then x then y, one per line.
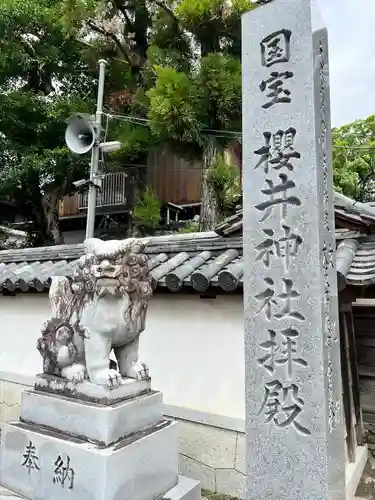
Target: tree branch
pixel 112 37
pixel 166 9
pixel 125 14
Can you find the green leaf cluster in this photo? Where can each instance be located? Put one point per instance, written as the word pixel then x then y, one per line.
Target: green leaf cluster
pixel 354 159
pixel 146 212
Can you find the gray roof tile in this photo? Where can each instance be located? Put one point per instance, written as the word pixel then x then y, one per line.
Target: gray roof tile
pixel 176 262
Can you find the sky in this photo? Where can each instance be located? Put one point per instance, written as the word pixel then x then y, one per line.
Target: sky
pixel 351 31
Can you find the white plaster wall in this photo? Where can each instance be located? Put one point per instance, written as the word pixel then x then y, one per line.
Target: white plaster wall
pixel 194 348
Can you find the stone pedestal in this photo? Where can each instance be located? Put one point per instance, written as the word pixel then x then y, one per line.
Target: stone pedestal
pixel 91 446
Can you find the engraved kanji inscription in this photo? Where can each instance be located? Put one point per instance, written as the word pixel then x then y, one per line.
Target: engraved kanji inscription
pixel 330 330
pixel 63 473
pixel 282 302
pixel 271 347
pixel 282 405
pixel 275 86
pixel 287 297
pixel 284 247
pixel 278 196
pixel 283 353
pixel 327 256
pixel 289 350
pixel 30 458
pixel 275 48
pixel 334 410
pixel 278 150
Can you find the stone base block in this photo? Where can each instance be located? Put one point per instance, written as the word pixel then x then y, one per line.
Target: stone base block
pixel 185 489
pixel 86 391
pixel 40 464
pixel 102 424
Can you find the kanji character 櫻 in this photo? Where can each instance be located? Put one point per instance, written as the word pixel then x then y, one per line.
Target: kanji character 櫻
pixel 30 458
pixel 282 405
pixel 275 48
pixel 277 194
pixel 270 299
pixel 282 248
pixel 278 150
pixel 277 92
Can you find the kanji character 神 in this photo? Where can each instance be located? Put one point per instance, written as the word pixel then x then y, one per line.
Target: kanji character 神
pixel 281 248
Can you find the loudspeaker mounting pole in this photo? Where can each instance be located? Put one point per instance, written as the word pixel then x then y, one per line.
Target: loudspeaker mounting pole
pixel 91 205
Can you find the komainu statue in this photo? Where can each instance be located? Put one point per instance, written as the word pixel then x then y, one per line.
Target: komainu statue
pixel 102 307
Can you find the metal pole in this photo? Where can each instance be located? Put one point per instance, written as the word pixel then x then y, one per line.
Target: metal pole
pixel 91 205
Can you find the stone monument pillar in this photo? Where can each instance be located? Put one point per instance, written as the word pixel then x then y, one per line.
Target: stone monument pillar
pixel 93 429
pixel 295 431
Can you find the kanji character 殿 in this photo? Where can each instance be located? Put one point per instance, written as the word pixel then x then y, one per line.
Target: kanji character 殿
pixel 282 406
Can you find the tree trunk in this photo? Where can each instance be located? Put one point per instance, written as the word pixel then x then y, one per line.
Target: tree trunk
pixel 50 203
pixel 209 208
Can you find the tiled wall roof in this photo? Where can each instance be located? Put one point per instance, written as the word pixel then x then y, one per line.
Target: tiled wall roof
pixel 196 261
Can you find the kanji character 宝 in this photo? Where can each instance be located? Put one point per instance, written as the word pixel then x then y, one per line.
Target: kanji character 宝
pixel 278 150
pixel 276 48
pixel 281 248
pixel 282 406
pixel 277 194
pixel 274 85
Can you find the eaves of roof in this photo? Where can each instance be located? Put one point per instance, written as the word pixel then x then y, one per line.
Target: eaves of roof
pixel 195 261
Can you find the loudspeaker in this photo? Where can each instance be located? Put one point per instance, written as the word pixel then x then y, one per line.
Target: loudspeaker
pixel 80 134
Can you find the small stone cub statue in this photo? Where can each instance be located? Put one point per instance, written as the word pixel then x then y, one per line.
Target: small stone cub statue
pixel 102 308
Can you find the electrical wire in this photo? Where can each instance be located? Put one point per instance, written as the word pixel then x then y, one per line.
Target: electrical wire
pixel 222 134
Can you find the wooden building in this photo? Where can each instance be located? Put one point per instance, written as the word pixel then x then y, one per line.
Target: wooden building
pixel 174 180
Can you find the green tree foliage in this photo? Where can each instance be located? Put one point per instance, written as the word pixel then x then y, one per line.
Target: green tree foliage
pixel 174 78
pixel 189 108
pixel 354 159
pixel 146 212
pixel 177 66
pixel 225 181
pixel 43 80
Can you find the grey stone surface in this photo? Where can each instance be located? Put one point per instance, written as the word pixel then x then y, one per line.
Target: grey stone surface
pixel 240 463
pixel 231 482
pixel 86 391
pixel 208 445
pixel 295 437
pixel 185 489
pixel 8 495
pixel 196 470
pixel 43 465
pixel 99 423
